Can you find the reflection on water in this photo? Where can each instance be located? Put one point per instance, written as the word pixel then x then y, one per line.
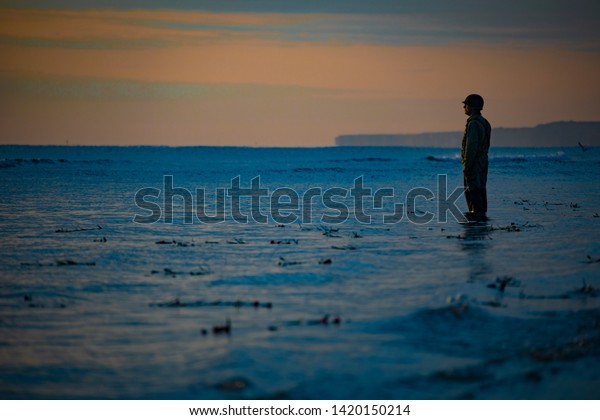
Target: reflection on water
pixel 476 241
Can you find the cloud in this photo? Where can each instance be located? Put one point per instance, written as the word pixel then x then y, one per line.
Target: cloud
pixel 571 25
pixel 101 90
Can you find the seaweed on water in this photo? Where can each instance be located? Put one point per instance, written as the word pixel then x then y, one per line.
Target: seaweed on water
pixel 203 270
pixel 222 329
pixel 175 243
pixel 71 262
pixel 284 263
pixel 344 247
pixel 494 303
pixel 592 260
pixel 502 282
pixel 57 263
pixel 31 304
pixel 37 264
pixel 177 303
pixel 588 290
pixel 284 242
pixel 327 231
pixel 513 227
pixel 573 350
pixel 61 230
pixel 453 237
pixel 324 320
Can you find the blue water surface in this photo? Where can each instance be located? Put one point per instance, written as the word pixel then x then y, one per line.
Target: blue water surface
pixel 94 305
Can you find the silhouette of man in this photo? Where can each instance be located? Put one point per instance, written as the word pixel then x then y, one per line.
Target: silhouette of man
pixel 474 156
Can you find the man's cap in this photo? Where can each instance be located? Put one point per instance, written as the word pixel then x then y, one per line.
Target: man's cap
pixel 474 101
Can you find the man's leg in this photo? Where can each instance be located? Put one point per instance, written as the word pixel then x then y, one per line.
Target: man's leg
pixel 476 193
pixel 484 188
pixel 468 195
pixel 484 200
pixel 478 200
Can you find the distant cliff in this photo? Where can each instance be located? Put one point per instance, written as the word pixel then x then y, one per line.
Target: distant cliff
pixel 555 134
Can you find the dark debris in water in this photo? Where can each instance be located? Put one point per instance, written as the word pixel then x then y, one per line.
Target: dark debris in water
pixel 202 271
pixel 573 350
pixel 328 231
pixel 587 290
pixel 37 264
pixel 177 303
pixel 71 262
pixel 284 242
pixel 222 329
pixel 284 262
pixel 234 385
pixel 494 303
pixel 324 320
pixel 513 227
pixel 31 304
pixel 175 243
pixel 344 247
pixel 61 230
pixel 502 282
pixel 547 205
pixel 57 263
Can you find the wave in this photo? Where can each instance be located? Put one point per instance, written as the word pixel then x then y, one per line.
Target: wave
pixel 13 163
pixel 368 159
pixel 319 169
pixel 508 157
pixel 274 279
pixel 520 157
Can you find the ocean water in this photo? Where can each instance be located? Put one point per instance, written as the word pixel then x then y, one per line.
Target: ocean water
pixel 95 305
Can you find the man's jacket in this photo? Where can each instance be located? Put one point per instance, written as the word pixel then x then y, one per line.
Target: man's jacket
pixel 475 144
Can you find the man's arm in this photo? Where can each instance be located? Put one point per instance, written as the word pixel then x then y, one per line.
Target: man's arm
pixel 474 137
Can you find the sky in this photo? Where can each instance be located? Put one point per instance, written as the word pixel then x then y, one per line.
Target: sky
pixel 288 72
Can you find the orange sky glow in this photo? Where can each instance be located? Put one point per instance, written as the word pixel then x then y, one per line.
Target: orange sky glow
pixel 195 78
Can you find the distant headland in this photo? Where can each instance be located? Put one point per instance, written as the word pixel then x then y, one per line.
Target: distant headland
pixel 554 134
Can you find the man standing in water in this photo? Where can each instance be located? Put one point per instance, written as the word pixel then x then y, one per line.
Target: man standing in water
pixel 475 146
